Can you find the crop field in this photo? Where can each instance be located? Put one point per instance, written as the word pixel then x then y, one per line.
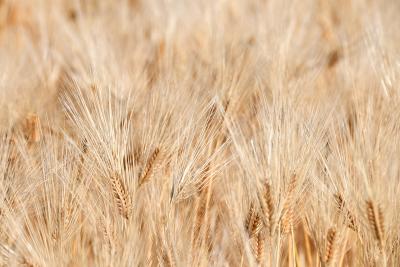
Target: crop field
pixel 200 133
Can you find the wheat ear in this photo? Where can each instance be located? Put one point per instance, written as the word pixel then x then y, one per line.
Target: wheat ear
pixel 121 196
pixel 32 128
pixel 82 160
pixel 202 206
pixel 349 217
pixel 259 247
pixel 149 168
pixel 254 229
pixel 376 221
pixel 253 222
pixel 267 207
pixel 330 249
pixel 287 215
pixel 169 258
pixel 201 210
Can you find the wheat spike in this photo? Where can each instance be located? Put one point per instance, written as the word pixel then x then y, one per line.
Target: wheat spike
pixel 333 58
pixel 128 161
pixel 257 225
pixel 82 160
pixel 121 195
pixel 27 263
pixel 254 229
pixel 32 128
pixel 267 207
pixel 108 236
pixel 253 222
pixel 201 210
pixel 149 168
pixel 210 115
pixel 376 221
pixel 349 217
pixel 287 214
pixel 169 259
pixel 330 249
pixel 259 247
pixel 249 218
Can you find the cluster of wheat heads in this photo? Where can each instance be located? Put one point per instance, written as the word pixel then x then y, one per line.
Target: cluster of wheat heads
pixel 199 133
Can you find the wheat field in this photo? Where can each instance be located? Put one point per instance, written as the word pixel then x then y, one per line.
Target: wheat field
pixel 199 133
